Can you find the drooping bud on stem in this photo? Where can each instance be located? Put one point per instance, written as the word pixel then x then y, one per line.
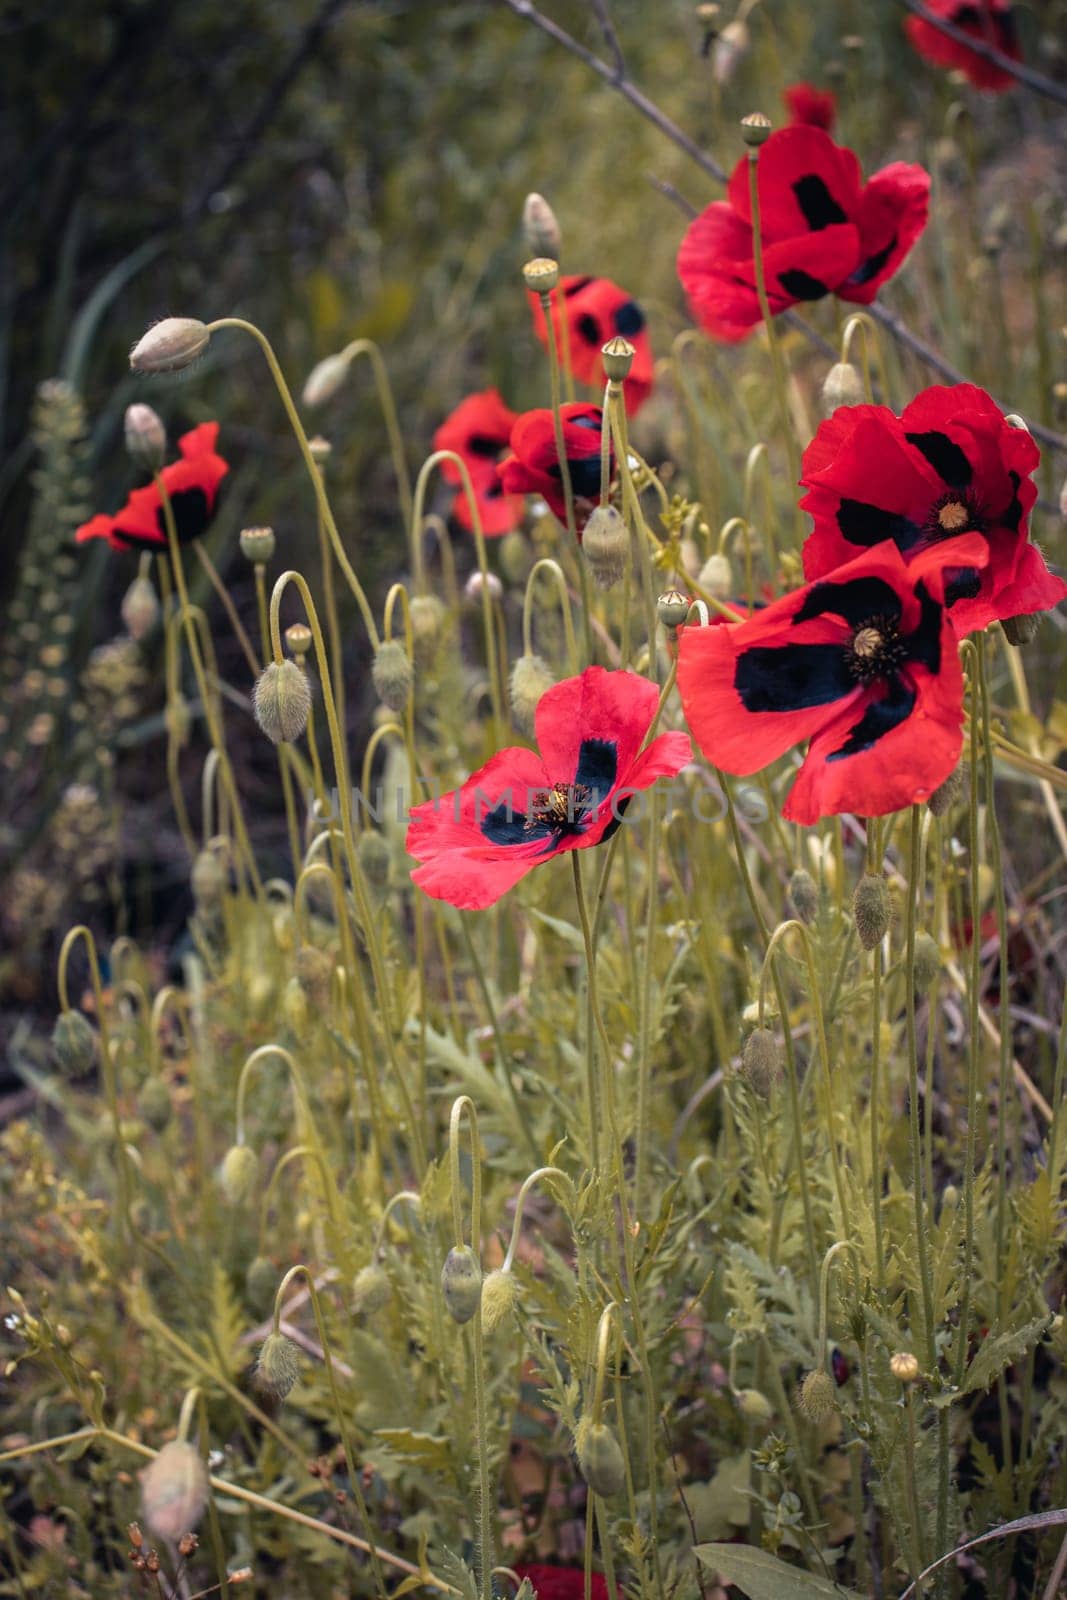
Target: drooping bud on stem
pixel 606 546
pixel 73 1044
pixel 601 1460
pixel 1022 629
pixel 170 345
pixel 843 386
pixel 761 1062
pixel 946 794
pixel 530 677
pixel 461 1283
pixel 278 1366
pixel 146 437
pixel 140 607
pixel 281 701
pixel 325 379
pixel 871 910
pixel 393 674
pixel 174 1490
pixel 804 896
pixel 816 1399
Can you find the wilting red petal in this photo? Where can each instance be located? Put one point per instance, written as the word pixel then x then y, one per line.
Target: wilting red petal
pixel 810 107
pixel 893 212
pixel 990 21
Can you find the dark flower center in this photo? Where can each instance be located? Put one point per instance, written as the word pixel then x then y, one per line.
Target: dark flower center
pixel 876 651
pixel 560 807
pixel 955 513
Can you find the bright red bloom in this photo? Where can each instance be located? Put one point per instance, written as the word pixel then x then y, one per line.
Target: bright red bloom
pixel 478 431
pixel 192 486
pixel 562 1583
pixel 809 107
pixel 864 664
pixel 534 467
pixel 596 311
pixel 522 807
pixel 824 232
pixel 948 468
pixel 992 22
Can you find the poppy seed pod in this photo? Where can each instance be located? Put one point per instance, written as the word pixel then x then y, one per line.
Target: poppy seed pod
pixel 238 1172
pixel 393 674
pixel 154 1103
pixel 174 1490
pixel 843 386
pixel 298 639
pixel 672 608
pixel 541 275
pixel 804 896
pixel 606 546
pixel 946 794
pixel 261 1280
pixel 760 1062
pixel 1022 629
pixel 73 1044
pixel 618 357
pixel 871 910
pixel 927 961
pixel 904 1366
pixel 257 545
pixel 146 437
pixel 716 576
pixel 325 379
pixel 140 608
pixel 540 227
pixel 371 1289
pixel 375 858
pixel 499 1294
pixel 601 1460
pixel 278 1366
pixel 281 701
pixel 461 1283
pixel 816 1398
pixel 530 677
pixel 755 129
pixel 170 345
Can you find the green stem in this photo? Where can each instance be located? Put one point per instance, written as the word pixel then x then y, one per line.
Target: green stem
pixel 917 1184
pixel 565 475
pixel 777 361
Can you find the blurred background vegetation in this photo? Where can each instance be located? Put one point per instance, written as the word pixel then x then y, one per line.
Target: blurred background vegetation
pixel 350 169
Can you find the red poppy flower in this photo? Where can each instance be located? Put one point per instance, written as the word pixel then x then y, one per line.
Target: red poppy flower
pixel 597 310
pixel 562 1583
pixel 824 232
pixel 992 22
pixel 949 467
pixel 864 664
pixel 192 486
pixel 809 107
pixel 478 431
pixel 522 807
pixel 534 467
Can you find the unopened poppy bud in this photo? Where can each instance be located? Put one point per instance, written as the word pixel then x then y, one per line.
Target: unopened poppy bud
pixel 927 961
pixel 314 969
pixel 261 1280
pixel 325 379
pixel 904 1366
pixel 375 858
pixel 804 896
pixel 601 1459
pixel 530 678
pixel 476 583
pixel 298 639
pixel 73 1044
pixel 393 674
pixel 500 1291
pixel 140 608
pixel 208 880
pixel 170 345
pixel 281 701
pixel 541 275
pixel 257 545
pixel 146 437
pixel 1022 629
pixel 278 1366
pixel 730 48
pixel 321 450
pixel 753 1405
pixel 540 227
pixel 755 129
pixel 946 794
pixel 238 1172
pixel 371 1289
pixel 618 357
pixel 461 1283
pixel 174 1490
pixel 871 910
pixel 427 621
pixel 672 608
pixel 717 577
pixel 154 1103
pixel 843 387
pixel 606 546
pixel 760 1062
pixel 516 558
pixel 816 1398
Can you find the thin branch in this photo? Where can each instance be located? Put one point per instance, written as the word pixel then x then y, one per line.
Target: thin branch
pixel 611 38
pixel 629 91
pixel 989 52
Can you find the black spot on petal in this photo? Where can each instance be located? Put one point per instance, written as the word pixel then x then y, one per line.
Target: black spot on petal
pixel 482 444
pixel 505 825
pixel 820 208
pixel 880 718
pixel 856 601
pixel 577 286
pixel 792 677
pixel 800 285
pixel 584 475
pixel 872 266
pixel 945 456
pixel 1012 517
pixel 961 583
pixel 629 320
pixel 191 514
pixel 597 767
pixel 588 328
pixel 869 525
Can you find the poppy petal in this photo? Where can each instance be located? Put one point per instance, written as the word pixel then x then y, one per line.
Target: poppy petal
pixel 807 183
pixel 893 212
pixel 579 709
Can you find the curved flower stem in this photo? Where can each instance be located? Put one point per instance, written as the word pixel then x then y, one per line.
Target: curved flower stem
pixel 298 1152
pixel 409 1197
pixel 915 888
pixel 551 568
pixel 759 456
pixel 301 1093
pixel 777 361
pixel 860 322
pixel 228 606
pixel 874 860
pixel 824 1298
pixel 359 886
pixel 291 820
pixel 641 532
pixel 464 1104
pixel 355 1486
pixel 565 476
pixel 368 348
pixel 520 1205
pixel 312 466
pixel 969 649
pixel 329 601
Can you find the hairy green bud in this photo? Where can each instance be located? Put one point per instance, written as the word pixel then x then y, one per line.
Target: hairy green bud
pixel 606 546
pixel 804 895
pixel 601 1459
pixel 281 701
pixel 154 1103
pixel 500 1292
pixel 946 794
pixel 238 1173
pixel 871 910
pixel 73 1044
pixel 816 1398
pixel 393 674
pixel 761 1063
pixel 461 1283
pixel 278 1366
pixel 1022 629
pixel 371 1289
pixel 530 677
pixel 927 961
